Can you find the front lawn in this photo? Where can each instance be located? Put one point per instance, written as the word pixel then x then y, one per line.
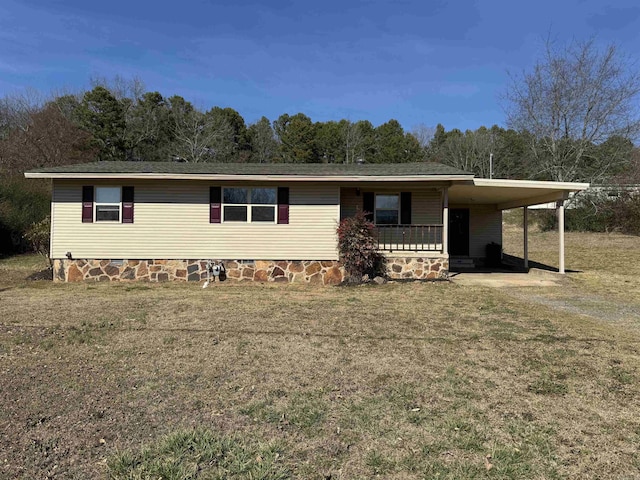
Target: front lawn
pixel 404 380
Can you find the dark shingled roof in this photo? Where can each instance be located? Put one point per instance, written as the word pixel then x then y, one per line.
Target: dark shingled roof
pixel 303 169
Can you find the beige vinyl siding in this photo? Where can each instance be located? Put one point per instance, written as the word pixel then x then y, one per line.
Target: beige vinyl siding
pixel 171 221
pixel 426 207
pixel 426 203
pixel 485 226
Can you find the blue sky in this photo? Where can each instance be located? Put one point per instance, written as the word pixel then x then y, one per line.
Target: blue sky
pixel 420 62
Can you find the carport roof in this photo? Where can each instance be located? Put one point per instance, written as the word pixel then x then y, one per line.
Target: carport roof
pixel 507 194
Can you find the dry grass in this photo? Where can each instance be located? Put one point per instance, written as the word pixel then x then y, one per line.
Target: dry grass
pixel 604 271
pixel 609 263
pixel 414 380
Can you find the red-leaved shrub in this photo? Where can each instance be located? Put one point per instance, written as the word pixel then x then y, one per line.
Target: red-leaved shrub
pixel 358 248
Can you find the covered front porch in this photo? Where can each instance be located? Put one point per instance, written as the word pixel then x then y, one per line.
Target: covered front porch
pixel 458 221
pixel 409 218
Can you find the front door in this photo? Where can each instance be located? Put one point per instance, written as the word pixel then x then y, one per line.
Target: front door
pixel 459 232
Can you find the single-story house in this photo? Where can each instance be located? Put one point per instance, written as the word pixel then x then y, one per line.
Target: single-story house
pixel 274 222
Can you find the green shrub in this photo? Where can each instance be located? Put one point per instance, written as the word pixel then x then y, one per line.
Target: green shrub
pixel 358 248
pixel 598 213
pixel 625 212
pixel 580 219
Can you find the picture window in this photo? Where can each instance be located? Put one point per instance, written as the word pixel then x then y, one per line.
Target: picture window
pixel 250 205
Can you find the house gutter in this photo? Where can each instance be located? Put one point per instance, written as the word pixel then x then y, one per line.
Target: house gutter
pixel 252 178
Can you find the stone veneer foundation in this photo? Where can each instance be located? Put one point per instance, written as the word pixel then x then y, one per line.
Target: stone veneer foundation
pixel 418 268
pixel 326 272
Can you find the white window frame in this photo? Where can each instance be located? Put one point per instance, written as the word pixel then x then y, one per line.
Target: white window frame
pixel 249 206
pixel 375 208
pixel 96 204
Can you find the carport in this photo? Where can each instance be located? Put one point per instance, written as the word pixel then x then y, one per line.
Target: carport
pixel 504 194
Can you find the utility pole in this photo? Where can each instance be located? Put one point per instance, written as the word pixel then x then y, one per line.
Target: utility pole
pixel 491 165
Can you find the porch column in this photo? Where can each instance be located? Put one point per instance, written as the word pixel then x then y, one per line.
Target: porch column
pixel 560 209
pixel 525 229
pixel 445 221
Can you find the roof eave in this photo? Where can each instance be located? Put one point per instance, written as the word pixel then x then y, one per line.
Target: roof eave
pixel 500 182
pixel 252 178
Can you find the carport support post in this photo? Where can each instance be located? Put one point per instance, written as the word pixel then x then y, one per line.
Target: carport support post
pixel 560 205
pixel 525 229
pixel 445 220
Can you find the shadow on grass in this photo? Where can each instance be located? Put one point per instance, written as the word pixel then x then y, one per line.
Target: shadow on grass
pixel 518 263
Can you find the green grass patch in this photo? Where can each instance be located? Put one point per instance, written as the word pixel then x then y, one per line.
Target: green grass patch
pixel 304 410
pixel 200 454
pixel 30 262
pixel 379 463
pixel 89 333
pixel 548 384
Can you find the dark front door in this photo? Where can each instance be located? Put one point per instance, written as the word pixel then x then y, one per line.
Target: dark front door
pixel 459 232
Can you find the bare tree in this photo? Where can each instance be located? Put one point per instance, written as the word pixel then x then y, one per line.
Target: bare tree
pixel 575 99
pixel 353 138
pixel 424 134
pixel 198 137
pixel 120 87
pixel 17 109
pixel 47 139
pixel 469 151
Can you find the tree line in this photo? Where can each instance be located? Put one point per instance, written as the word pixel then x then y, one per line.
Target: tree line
pixel 129 124
pixel 123 122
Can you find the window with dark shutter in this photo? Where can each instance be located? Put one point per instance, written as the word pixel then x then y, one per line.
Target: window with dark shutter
pixel 387 209
pixel 127 204
pixel 283 205
pixel 215 204
pixel 87 204
pixel 405 208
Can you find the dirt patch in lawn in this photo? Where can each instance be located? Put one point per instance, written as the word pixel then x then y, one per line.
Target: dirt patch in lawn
pixel 577 302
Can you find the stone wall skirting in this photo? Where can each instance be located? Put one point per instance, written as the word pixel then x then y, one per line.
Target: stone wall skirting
pixel 316 272
pixel 418 268
pixel 325 272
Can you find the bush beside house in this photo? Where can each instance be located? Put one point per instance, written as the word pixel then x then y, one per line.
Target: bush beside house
pixel 359 249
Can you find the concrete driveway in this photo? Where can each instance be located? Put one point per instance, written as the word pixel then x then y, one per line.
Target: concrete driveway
pixel 508 279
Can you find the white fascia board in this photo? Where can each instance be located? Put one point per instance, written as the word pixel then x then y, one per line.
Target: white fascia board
pixel 571 186
pixel 249 178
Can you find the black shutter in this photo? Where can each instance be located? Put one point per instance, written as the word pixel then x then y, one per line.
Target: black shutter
pixel 127 204
pixel 215 204
pixel 405 208
pixel 283 205
pixel 368 204
pixel 87 204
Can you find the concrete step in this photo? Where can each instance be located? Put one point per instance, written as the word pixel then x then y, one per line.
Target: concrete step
pixel 461 263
